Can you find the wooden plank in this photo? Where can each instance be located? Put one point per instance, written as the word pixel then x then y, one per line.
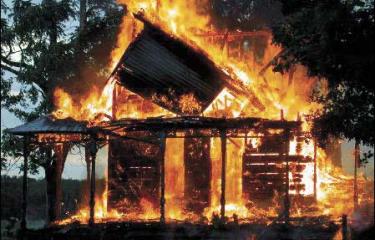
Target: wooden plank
pixel 252 169
pixel 251 158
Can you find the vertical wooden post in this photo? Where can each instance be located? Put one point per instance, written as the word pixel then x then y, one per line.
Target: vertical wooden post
pixel 114 101
pixel 344 227
pixel 356 161
pixel 315 174
pixel 228 50
pixel 88 172
pixel 246 140
pixel 223 137
pixel 298 151
pixel 93 150
pixel 24 183
pixel 286 159
pixel 162 177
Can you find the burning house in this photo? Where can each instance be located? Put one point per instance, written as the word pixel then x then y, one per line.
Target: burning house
pixel 162 69
pixel 190 137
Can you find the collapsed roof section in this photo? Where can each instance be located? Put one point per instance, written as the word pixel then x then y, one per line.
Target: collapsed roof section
pixel 161 67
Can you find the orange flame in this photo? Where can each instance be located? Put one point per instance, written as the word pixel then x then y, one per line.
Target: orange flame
pixel 289 92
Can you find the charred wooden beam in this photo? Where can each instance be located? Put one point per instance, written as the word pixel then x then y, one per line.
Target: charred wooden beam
pixel 268 168
pixel 112 133
pixel 184 123
pixel 286 158
pixel 93 150
pixel 356 165
pixel 344 227
pixel 265 158
pixel 162 177
pixel 234 34
pixel 223 139
pixel 24 183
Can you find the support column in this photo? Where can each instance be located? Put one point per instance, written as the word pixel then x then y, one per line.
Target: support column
pixel 24 183
pixel 315 173
pixel 93 150
pixel 223 137
pixel 162 177
pixel 299 140
pixel 344 227
pixel 356 165
pixel 286 159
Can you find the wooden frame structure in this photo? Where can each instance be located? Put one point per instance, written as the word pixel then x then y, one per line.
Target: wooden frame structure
pixel 163 128
pixel 212 127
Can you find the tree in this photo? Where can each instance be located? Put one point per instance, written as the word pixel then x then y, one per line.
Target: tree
pixel 247 15
pixel 39 51
pixel 334 40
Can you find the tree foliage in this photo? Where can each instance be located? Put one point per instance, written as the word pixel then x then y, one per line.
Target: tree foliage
pixel 35 52
pixel 245 14
pixel 43 46
pixel 334 40
pixel 49 44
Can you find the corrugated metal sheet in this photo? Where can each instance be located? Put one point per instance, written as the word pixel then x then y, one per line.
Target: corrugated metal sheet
pixel 49 124
pixel 162 68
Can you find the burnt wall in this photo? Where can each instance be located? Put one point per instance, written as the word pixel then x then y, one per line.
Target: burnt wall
pixel 133 173
pixel 264 171
pixel 197 172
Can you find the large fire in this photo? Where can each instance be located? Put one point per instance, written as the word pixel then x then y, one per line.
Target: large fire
pixel 275 91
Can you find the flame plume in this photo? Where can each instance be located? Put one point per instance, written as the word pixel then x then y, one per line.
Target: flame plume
pixel 276 91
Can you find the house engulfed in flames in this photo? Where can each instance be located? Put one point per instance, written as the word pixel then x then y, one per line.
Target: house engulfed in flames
pixel 196 127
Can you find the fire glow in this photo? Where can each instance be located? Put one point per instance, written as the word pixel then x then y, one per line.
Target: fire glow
pixel 182 19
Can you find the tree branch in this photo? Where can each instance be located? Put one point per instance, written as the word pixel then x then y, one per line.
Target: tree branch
pixel 269 64
pixel 13 63
pixel 9 69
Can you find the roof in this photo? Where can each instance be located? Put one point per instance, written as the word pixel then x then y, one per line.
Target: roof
pixel 163 68
pixel 49 124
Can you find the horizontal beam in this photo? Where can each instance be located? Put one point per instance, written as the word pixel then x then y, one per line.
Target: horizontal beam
pixel 185 123
pixel 234 34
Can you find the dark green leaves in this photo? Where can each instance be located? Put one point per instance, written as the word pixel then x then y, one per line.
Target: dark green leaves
pixel 334 40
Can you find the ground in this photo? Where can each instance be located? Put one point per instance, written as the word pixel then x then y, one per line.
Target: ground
pixel 176 231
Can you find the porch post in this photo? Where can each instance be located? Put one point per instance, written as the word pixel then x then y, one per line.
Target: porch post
pixel 223 138
pixel 356 165
pixel 24 183
pixel 93 150
pixel 286 158
pixel 162 177
pixel 344 225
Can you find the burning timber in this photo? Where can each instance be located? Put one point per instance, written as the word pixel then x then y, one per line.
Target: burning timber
pixel 180 172
pixel 141 167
